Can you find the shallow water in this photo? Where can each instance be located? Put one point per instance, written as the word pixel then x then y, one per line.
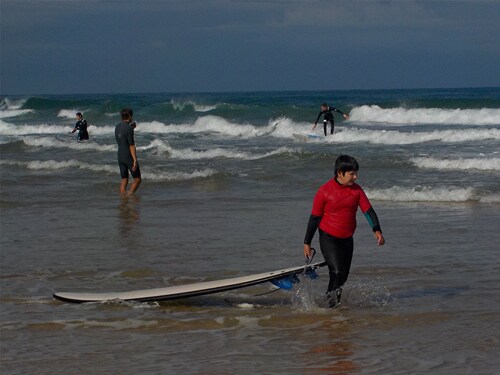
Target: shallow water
pixel 222 198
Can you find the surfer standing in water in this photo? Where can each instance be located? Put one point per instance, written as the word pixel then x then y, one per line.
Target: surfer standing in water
pixel 326 112
pixel 127 154
pixel 81 126
pixel 334 213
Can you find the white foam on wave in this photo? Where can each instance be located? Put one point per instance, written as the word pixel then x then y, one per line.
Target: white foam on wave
pixel 482 164
pixel 54 165
pixel 20 130
pixel 179 106
pixel 59 165
pixel 405 116
pixel 430 194
pixel 11 129
pixel 190 154
pixel 178 176
pixel 6 113
pixel 68 113
pixel 206 124
pixel 217 124
pixel 286 128
pixel 204 108
pixel 280 128
pixel 8 103
pixel 70 144
pixel 394 137
pixel 13 107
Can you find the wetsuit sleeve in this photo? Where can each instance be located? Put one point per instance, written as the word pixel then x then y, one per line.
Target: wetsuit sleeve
pixel 316 215
pixel 312 226
pixel 368 211
pixel 372 218
pixel 337 110
pixel 317 118
pixel 130 136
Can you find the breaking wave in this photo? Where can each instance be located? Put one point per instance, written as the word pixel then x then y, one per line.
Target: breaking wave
pixel 393 137
pixel 54 165
pixel 405 116
pixel 482 164
pixel 429 194
pixel 190 154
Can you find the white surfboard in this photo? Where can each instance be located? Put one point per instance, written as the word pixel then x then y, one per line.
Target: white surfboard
pixel 189 290
pixel 307 137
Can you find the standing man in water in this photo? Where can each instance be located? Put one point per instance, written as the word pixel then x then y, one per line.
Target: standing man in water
pixel 127 155
pixel 326 112
pixel 334 213
pixel 81 126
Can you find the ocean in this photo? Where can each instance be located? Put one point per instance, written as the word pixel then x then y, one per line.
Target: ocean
pixel 228 184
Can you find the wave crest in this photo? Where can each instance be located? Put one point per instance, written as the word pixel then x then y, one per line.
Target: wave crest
pixel 429 194
pixel 482 164
pixel 54 165
pixel 392 137
pixel 416 116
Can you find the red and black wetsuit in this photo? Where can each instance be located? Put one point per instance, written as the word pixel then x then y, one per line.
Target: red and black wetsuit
pixel 328 117
pixel 334 212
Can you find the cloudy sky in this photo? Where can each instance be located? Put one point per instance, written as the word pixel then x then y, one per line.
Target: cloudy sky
pixel 132 46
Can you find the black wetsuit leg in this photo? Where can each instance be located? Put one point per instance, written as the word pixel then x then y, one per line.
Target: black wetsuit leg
pixel 332 124
pixel 126 167
pixel 338 256
pixel 325 123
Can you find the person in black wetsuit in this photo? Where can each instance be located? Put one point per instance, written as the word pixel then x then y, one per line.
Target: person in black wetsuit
pixel 81 126
pixel 326 112
pixel 127 155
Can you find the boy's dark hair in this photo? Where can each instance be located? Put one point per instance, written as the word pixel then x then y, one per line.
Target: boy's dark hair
pixel 345 163
pixel 126 113
pixel 79 114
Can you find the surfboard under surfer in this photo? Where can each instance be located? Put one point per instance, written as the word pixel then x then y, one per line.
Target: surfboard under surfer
pixel 334 213
pixel 326 112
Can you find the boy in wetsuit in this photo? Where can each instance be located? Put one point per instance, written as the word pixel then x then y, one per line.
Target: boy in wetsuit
pixel 334 213
pixel 81 126
pixel 327 114
pixel 127 155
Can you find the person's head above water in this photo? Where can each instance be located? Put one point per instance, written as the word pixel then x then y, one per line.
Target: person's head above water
pixel 345 163
pixel 79 115
pixel 324 106
pixel 126 114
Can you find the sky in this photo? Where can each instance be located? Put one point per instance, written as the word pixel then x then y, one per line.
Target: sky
pixel 149 46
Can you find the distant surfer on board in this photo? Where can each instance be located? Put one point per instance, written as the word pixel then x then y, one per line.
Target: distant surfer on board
pixel 127 154
pixel 334 213
pixel 326 112
pixel 81 126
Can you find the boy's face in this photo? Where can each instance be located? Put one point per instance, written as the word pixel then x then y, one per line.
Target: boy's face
pixel 348 178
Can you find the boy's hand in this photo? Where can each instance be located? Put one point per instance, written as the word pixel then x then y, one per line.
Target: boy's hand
pixel 380 238
pixel 307 251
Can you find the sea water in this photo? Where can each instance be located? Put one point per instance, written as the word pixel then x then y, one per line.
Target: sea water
pixel 228 183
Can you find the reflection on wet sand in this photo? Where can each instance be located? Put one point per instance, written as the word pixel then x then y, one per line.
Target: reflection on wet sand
pixel 333 354
pixel 129 213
